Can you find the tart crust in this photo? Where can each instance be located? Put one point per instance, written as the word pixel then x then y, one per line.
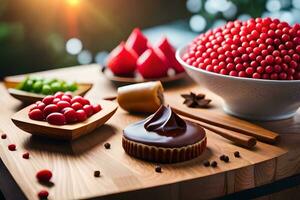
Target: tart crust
pixel 163 154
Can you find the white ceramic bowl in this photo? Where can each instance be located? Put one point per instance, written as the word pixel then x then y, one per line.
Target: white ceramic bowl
pixel 253 99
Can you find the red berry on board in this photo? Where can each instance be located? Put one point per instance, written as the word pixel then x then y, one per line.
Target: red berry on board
pixel 96 108
pixel 55 101
pixel 63 104
pixel 69 94
pixel 56 118
pixel 81 115
pixel 43 194
pixel 44 175
pixel 66 98
pixel 58 95
pixel 48 99
pixel 76 106
pixel 36 114
pixel 70 115
pixel 51 108
pixel 25 155
pixel 12 147
pixel 88 109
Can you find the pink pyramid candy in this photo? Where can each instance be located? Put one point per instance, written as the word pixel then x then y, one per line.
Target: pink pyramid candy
pixel 137 41
pixel 122 61
pixel 169 53
pixel 150 65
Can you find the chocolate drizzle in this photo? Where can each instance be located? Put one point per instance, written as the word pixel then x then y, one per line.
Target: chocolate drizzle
pixel 165 122
pixel 164 129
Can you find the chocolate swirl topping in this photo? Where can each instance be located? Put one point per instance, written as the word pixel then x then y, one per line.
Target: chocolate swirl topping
pixel 165 122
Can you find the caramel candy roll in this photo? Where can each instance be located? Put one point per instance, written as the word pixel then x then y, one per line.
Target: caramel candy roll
pixel 142 97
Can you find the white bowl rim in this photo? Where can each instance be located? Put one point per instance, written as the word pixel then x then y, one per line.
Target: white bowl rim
pixel 179 59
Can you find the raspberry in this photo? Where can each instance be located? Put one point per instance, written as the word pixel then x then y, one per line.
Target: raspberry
pixel 44 175
pixel 258 48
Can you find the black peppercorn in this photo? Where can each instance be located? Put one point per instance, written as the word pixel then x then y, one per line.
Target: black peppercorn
pixel 158 168
pixel 214 164
pixel 222 157
pixel 206 163
pixel 226 159
pixel 237 154
pixel 97 173
pixel 107 145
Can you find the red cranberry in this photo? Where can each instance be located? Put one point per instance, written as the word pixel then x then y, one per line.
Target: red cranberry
pixel 63 104
pixel 56 118
pixel 51 108
pixel 48 100
pixel 44 175
pixel 43 194
pixel 3 136
pixel 12 147
pixel 77 106
pixel 70 115
pixel 88 109
pixel 81 115
pixel 25 155
pixel 36 114
pixel 58 95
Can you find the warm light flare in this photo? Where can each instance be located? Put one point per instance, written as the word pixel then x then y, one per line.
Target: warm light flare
pixel 73 2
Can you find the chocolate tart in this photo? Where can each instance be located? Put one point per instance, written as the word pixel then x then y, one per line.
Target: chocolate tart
pixel 164 137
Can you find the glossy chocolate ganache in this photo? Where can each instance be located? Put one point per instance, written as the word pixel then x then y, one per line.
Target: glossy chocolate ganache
pixel 164 129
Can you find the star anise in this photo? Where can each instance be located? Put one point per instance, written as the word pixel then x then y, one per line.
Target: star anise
pixel 193 100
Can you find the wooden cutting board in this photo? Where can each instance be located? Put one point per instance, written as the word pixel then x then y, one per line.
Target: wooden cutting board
pixel 122 176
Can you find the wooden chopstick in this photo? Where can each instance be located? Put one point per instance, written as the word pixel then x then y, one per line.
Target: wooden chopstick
pixel 235 137
pixel 268 136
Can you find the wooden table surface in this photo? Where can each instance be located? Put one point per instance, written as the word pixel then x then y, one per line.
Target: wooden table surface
pixel 125 177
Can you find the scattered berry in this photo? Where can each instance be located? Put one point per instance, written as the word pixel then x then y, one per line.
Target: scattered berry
pixel 3 136
pixel 158 169
pixel 44 175
pixel 25 155
pixel 97 173
pixel 43 194
pixel 12 147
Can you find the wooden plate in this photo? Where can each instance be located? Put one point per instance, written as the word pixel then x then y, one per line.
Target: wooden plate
pixel 120 79
pixel 30 97
pixel 64 132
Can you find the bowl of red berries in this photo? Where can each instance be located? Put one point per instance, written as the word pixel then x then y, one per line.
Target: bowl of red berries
pixel 254 66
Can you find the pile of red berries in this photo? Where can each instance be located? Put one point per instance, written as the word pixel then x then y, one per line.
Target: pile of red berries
pixel 63 108
pixel 258 48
